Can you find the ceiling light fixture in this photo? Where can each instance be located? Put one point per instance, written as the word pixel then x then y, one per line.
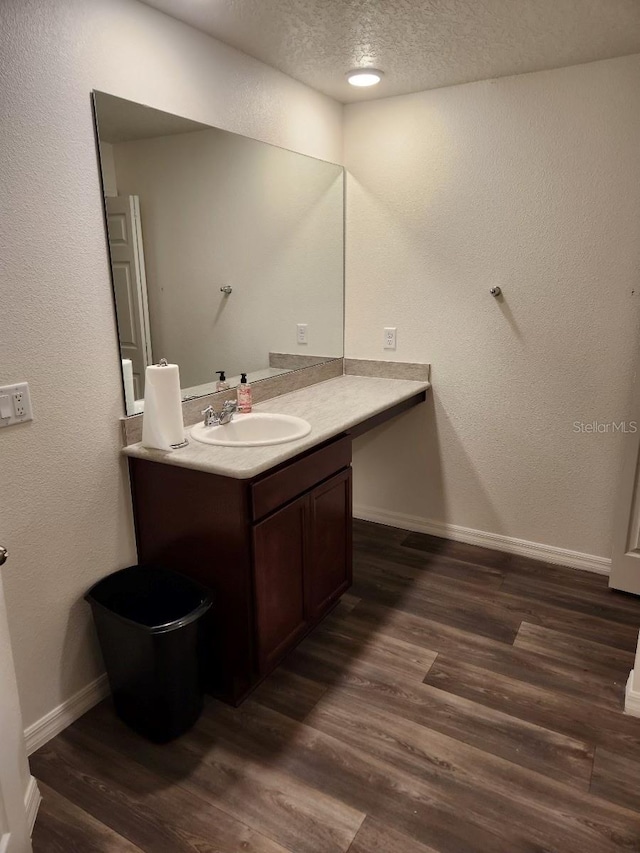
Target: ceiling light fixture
pixel 364 77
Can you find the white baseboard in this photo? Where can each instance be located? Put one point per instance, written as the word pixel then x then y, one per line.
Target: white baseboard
pixel 546 553
pixel 47 727
pixel 32 800
pixel 631 698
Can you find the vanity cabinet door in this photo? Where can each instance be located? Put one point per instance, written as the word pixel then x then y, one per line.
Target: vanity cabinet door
pixel 328 571
pixel 279 546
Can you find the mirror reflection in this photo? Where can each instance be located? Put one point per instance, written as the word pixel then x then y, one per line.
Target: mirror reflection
pixel 226 253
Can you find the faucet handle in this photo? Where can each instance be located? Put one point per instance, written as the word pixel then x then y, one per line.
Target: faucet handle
pixel 210 416
pixel 229 406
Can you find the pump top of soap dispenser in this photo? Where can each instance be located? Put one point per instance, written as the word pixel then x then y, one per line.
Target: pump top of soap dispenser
pixel 243 378
pixel 222 384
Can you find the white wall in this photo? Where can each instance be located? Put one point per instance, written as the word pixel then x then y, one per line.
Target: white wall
pixel 65 500
pixel 220 209
pixel 531 183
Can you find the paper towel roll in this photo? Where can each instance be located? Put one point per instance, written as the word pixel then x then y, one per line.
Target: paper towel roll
pixel 129 393
pixel 162 424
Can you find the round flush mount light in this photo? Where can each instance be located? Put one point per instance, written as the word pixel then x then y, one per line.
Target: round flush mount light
pixel 364 77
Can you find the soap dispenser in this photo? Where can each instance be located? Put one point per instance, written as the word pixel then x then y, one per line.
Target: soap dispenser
pixel 244 395
pixel 222 384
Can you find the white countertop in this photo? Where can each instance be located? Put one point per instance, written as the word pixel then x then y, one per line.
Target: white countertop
pixel 331 407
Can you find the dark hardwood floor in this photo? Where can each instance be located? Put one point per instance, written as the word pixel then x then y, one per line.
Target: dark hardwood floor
pixel 458 700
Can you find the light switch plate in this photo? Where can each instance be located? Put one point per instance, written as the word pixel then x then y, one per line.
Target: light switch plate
pixel 302 333
pixel 15 404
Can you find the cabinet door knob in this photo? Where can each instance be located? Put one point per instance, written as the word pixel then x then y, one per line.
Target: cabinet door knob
pixel 4 555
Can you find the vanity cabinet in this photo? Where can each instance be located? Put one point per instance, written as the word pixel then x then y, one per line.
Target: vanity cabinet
pixel 302 564
pixel 275 551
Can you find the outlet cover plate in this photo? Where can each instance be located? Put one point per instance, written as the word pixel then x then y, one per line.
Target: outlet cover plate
pixel 390 337
pixel 15 404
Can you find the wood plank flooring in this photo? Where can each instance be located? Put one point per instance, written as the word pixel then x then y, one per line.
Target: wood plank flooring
pixel 458 700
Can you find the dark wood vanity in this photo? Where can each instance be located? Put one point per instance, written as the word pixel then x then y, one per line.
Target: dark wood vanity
pixel 270 536
pixel 275 550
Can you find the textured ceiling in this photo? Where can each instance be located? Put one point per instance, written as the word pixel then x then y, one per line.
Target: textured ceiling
pixel 419 44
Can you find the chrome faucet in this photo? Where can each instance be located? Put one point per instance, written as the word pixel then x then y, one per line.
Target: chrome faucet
pixel 213 418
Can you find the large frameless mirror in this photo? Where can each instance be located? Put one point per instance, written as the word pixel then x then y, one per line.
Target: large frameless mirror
pixel 226 253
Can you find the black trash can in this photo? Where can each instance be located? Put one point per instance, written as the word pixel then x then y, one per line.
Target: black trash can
pixel 150 624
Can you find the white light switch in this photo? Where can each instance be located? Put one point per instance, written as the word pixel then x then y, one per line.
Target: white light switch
pixel 15 404
pixel 301 330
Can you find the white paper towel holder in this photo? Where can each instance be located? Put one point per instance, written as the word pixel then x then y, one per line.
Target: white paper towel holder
pixel 164 363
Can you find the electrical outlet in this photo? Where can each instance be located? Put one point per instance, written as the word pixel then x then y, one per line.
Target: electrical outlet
pixel 15 404
pixel 390 337
pixel 19 404
pixel 301 333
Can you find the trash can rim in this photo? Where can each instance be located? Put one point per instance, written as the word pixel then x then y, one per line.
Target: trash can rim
pixel 165 627
pixel 205 604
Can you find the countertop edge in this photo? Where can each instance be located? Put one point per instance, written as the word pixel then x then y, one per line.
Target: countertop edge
pixel 181 459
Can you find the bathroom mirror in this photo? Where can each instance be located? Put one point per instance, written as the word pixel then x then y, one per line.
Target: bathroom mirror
pixel 226 253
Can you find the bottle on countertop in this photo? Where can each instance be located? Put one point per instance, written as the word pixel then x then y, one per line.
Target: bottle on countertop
pixel 222 384
pixel 244 395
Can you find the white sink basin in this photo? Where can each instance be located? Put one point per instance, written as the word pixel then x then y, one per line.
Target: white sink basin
pixel 254 430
